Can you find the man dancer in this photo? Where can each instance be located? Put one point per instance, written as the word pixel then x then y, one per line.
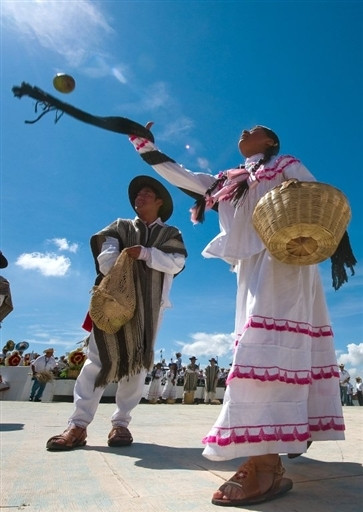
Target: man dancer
pixel 159 254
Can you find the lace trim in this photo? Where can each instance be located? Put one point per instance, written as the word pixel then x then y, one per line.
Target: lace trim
pixel 269 173
pixel 285 433
pixel 275 373
pixel 326 423
pixel 270 374
pixel 282 324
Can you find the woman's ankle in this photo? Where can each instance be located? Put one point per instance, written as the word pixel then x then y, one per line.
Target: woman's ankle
pixel 269 460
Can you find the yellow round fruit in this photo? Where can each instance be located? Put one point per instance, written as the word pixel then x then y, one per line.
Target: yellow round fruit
pixel 64 83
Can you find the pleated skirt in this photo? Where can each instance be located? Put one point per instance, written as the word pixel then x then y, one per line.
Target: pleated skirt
pixel 283 386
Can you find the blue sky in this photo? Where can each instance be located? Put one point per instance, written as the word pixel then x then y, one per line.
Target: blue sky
pixel 202 71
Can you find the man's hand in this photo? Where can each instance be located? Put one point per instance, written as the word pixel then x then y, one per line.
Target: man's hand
pixel 149 125
pixel 134 251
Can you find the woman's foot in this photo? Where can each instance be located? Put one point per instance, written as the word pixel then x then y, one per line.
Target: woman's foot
pixel 259 479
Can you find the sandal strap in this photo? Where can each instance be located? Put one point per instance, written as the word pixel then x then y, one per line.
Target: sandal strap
pixel 119 432
pixel 231 483
pixel 246 476
pixel 277 469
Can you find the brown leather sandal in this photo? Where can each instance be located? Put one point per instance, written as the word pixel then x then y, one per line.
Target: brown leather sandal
pixel 72 437
pixel 246 480
pixel 119 436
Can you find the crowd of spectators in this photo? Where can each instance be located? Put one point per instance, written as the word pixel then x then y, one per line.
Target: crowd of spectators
pixel 223 374
pixel 15 355
pixel 161 373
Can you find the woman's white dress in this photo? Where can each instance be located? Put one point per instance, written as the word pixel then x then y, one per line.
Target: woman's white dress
pixel 283 387
pixel 155 388
pixel 169 390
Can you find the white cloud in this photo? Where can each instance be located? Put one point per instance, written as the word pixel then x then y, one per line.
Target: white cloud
pixel 72 29
pixel 48 264
pixel 157 96
pixel 64 245
pixel 79 31
pixel 203 164
pixel 180 126
pixel 154 97
pixel 119 73
pixel 204 344
pixel 220 344
pixel 43 334
pixel 353 359
pixel 98 66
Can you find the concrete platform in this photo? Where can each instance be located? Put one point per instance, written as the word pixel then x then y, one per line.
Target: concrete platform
pixel 164 470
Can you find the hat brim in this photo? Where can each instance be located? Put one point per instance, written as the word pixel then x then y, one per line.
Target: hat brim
pixel 140 182
pixel 23 345
pixel 3 261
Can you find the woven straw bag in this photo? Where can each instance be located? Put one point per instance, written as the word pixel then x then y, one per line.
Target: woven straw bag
pixel 302 223
pixel 113 301
pixel 44 376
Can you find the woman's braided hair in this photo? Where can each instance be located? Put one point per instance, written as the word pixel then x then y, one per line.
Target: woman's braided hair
pixel 242 189
pixel 342 258
pixel 200 203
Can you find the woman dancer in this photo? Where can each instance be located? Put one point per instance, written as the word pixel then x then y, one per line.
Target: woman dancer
pixel 283 385
pixel 169 391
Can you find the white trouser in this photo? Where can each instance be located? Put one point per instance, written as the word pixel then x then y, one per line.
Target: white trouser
pixel 86 398
pixel 209 395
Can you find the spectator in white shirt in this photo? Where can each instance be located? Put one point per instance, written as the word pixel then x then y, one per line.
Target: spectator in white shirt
pixel 343 383
pixel 42 363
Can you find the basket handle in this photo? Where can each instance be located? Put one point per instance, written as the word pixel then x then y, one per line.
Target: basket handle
pixel 289 183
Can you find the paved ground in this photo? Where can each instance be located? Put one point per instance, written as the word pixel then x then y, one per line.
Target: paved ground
pixel 163 471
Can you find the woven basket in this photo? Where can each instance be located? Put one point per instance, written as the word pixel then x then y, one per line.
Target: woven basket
pixel 72 373
pixel 44 376
pixel 188 397
pixel 302 223
pixel 113 302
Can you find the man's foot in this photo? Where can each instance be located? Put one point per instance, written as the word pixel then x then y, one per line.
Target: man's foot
pixel 31 399
pixel 119 436
pixel 72 437
pixel 37 400
pixel 258 480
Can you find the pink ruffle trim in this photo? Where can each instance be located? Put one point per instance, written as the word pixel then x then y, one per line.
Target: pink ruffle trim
pixel 283 375
pixel 286 433
pixel 281 324
pixel 269 173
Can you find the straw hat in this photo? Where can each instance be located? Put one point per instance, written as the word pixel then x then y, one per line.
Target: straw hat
pixel 140 182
